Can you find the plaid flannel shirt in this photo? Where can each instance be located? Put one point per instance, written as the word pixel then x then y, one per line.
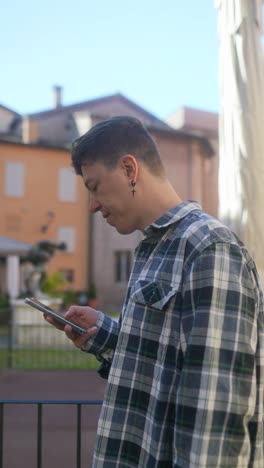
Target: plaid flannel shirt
pixel 186 359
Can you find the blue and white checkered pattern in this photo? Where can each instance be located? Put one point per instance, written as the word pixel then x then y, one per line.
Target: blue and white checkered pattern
pixel 185 362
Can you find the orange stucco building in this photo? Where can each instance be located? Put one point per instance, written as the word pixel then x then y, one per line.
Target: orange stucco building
pixel 34 205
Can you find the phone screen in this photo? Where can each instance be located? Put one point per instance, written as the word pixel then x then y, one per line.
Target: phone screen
pixel 54 314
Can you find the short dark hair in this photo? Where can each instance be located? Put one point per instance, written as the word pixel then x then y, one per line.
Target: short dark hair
pixel 110 139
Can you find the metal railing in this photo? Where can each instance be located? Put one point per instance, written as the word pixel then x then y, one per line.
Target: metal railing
pixel 39 422
pixel 39 347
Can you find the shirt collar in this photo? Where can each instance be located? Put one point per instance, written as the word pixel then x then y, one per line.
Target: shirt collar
pixel 172 216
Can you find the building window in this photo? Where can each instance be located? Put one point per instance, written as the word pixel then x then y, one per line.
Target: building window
pixel 123 261
pixel 14 179
pixel 67 234
pixel 68 274
pixel 67 185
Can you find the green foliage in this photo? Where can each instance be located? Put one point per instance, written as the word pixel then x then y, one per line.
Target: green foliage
pixel 47 359
pixel 4 303
pixel 4 300
pixel 4 309
pixel 69 297
pixel 53 284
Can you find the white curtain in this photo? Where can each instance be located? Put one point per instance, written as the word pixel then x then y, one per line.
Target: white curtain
pixel 241 122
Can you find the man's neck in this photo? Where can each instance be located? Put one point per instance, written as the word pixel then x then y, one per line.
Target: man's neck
pixel 157 202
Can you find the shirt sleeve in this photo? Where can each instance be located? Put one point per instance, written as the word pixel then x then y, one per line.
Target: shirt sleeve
pixel 103 343
pixel 216 399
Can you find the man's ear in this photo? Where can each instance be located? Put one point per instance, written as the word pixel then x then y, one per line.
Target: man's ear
pixel 129 164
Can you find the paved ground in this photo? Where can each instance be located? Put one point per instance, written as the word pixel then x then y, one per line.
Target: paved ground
pixel 59 422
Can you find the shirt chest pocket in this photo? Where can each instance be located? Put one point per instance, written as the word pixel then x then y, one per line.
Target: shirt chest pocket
pixel 149 324
pixel 152 294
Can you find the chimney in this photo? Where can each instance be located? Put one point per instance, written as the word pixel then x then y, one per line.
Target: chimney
pixel 57 96
pixel 30 133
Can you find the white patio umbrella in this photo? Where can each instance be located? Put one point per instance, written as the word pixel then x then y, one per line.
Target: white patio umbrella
pixel 241 122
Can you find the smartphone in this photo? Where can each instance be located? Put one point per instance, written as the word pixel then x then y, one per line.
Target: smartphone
pixel 54 314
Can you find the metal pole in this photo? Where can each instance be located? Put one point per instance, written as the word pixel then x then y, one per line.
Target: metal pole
pixel 78 445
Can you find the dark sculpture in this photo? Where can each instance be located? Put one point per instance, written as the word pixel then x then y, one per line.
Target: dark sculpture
pixel 39 255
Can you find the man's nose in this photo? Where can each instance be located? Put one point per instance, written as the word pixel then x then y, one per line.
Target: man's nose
pixel 94 205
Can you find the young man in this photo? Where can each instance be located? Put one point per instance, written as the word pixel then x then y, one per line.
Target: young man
pixel 185 362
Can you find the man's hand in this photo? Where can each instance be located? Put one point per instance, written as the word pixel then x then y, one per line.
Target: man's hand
pixel 85 317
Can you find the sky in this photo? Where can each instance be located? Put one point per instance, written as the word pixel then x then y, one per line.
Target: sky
pixel 162 54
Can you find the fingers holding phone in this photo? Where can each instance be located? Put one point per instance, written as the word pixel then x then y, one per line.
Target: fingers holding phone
pixel 55 323
pixel 80 341
pixel 86 318
pixel 79 323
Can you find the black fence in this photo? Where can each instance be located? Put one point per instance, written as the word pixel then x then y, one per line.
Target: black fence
pixel 34 344
pixel 45 437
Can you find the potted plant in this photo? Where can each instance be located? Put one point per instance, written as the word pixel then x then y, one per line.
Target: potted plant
pixel 53 284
